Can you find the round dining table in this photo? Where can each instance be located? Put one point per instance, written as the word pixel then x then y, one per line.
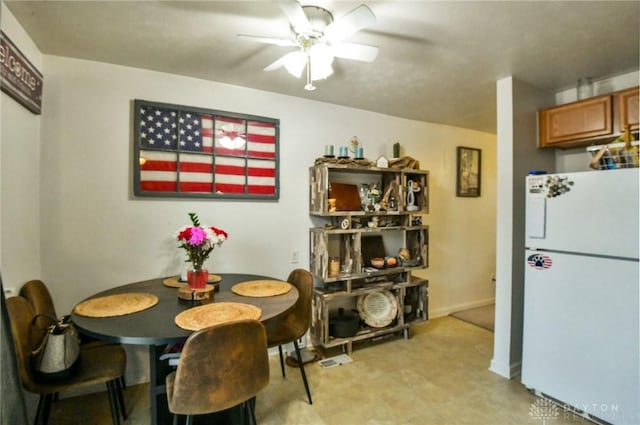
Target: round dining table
pixel 156 328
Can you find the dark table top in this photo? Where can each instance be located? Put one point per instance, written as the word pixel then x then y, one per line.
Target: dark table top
pixel 156 325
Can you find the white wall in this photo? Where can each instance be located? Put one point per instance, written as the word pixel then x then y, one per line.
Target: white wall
pixel 517 154
pixel 463 233
pixel 20 175
pixel 19 183
pixel 97 236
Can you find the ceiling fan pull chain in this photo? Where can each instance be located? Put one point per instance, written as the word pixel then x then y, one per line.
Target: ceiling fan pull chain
pixel 309 86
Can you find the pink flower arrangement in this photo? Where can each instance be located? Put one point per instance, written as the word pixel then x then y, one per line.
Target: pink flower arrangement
pixel 199 241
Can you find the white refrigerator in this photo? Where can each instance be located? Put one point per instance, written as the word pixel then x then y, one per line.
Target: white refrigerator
pixel 581 331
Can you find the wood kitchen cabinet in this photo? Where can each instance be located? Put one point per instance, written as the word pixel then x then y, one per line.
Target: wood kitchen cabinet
pixel 629 108
pixel 587 121
pixel 561 126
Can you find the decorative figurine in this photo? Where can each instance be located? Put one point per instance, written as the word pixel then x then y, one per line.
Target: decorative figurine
pixel 382 162
pixel 393 204
pixel 404 255
pixel 412 188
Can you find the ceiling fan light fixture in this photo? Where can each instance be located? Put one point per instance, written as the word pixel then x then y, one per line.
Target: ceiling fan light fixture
pixel 294 63
pixel 319 39
pixel 321 58
pixel 320 71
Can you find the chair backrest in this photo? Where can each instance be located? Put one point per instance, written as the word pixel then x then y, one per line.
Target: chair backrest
pixel 38 295
pixel 295 323
pixel 220 367
pixel 25 339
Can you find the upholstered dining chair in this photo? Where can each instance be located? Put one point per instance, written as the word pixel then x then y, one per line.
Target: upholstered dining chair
pixel 36 292
pixel 220 367
pixel 100 364
pixel 293 325
pixel 38 295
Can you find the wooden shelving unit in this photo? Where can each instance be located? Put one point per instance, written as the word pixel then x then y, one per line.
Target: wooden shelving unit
pixel 347 236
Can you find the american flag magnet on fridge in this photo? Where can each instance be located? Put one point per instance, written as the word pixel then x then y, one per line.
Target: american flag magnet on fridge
pixel 539 261
pixel 182 151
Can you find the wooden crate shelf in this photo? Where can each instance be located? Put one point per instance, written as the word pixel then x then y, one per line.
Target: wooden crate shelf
pixel 340 235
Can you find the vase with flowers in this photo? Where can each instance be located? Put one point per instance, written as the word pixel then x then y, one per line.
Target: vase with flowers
pixel 198 241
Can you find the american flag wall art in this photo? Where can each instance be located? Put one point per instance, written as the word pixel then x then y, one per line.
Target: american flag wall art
pixel 191 152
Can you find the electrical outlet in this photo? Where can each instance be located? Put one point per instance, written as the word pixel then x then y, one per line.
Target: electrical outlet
pixel 10 292
pixel 294 257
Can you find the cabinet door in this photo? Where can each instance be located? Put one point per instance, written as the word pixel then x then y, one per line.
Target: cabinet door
pixel 629 107
pixel 575 121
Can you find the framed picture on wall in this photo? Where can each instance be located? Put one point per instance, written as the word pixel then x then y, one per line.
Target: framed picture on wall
pixel 188 152
pixel 468 171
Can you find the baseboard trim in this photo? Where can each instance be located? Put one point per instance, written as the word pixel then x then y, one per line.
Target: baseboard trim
pixel 445 311
pixel 511 371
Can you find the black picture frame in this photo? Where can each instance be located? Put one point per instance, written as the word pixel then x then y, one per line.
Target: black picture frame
pixel 468 172
pixel 189 152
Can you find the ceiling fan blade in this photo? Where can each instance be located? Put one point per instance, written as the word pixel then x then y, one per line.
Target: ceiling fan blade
pixel 354 21
pixel 279 63
pixel 296 16
pixel 267 40
pixel 359 52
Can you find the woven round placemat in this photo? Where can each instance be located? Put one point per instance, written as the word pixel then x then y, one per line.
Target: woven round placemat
pixel 203 316
pixel 175 282
pixel 261 288
pixel 116 305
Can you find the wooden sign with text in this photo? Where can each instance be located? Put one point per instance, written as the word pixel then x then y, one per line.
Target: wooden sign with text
pixel 19 78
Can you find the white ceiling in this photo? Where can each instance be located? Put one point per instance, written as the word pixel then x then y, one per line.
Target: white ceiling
pixel 438 60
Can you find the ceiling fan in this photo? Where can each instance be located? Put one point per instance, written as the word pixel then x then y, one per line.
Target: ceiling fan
pixel 319 39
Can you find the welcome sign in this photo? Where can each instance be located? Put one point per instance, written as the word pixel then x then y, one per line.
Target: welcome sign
pixel 19 78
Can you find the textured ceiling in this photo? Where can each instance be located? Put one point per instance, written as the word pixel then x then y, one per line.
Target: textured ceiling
pixel 438 61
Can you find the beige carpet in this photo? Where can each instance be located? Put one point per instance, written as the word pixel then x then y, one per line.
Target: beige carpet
pixel 479 316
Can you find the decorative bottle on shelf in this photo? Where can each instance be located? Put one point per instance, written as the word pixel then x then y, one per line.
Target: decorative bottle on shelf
pixel 585 88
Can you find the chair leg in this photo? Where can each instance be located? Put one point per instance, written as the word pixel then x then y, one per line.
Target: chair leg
pixel 304 375
pixel 242 413
pixel 251 406
pixel 189 420
pixel 36 421
pixel 281 360
pixel 123 383
pixel 44 407
pixel 113 403
pixel 119 390
pixel 175 419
